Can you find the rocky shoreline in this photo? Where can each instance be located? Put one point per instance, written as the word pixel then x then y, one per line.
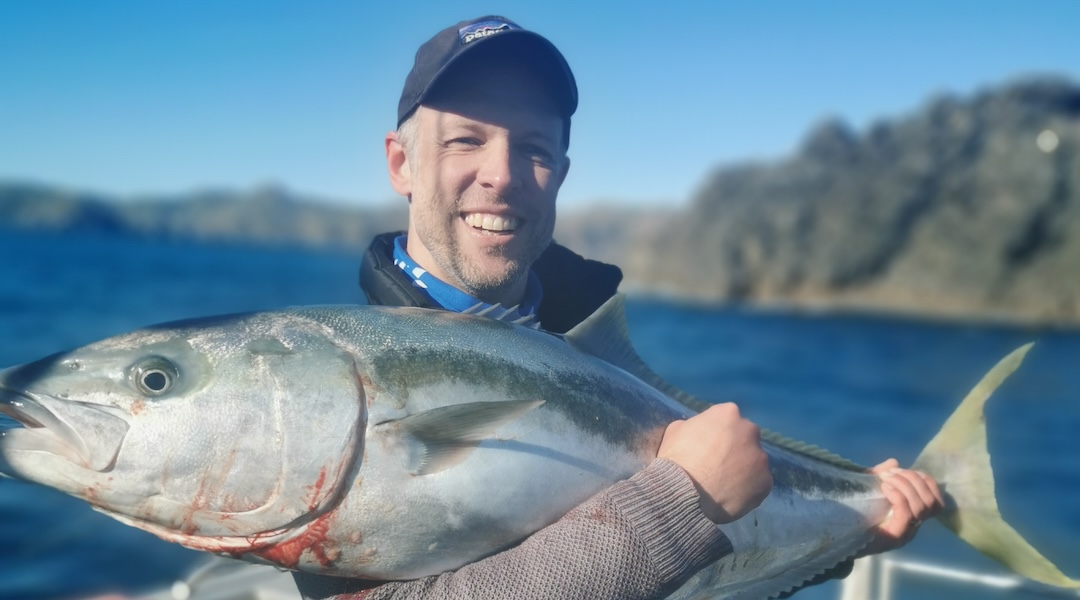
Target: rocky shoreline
pixel 965 209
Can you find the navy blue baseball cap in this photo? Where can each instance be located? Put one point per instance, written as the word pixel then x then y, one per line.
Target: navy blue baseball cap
pixel 494 34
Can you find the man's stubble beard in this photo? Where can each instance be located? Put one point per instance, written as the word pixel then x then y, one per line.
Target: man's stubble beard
pixel 482 284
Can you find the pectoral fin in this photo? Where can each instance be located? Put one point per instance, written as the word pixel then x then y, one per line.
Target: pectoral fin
pixel 442 437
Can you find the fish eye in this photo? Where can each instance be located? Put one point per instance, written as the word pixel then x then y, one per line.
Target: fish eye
pixel 154 376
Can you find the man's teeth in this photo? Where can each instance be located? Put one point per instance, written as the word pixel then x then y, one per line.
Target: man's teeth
pixel 491 222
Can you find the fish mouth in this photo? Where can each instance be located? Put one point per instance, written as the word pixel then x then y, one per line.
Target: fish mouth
pixel 53 426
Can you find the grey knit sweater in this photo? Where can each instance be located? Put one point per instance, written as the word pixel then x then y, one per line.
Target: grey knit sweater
pixel 641 538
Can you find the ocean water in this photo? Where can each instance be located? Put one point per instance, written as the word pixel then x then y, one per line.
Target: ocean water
pixel 867 388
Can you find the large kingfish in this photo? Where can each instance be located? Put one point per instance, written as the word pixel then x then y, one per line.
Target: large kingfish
pixel 394 443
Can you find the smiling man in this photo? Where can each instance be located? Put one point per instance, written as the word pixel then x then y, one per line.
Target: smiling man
pixel 481 162
pixel 480 152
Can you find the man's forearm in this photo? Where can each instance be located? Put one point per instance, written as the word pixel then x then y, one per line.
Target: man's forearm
pixel 641 538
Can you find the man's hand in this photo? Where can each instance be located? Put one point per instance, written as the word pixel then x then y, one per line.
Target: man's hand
pixel 915 497
pixel 721 451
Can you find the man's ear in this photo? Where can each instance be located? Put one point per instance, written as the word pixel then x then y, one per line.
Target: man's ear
pixel 397 164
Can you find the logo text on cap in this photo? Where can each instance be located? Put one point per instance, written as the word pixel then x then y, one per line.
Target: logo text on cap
pixel 483 29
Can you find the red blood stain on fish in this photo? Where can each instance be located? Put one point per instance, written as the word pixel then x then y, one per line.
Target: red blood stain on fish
pixel 208 494
pixel 288 553
pixel 315 490
pixel 313 539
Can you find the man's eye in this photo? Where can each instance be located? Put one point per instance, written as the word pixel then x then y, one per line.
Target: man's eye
pixel 463 141
pixel 539 154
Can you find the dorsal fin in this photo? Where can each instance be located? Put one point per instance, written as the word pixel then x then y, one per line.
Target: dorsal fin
pixel 604 334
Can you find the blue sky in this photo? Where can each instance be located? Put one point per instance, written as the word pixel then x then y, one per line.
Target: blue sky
pixel 128 97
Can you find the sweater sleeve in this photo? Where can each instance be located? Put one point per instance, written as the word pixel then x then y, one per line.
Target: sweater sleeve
pixel 641 538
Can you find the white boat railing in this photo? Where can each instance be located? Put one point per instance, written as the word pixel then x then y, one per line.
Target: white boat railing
pixel 876 577
pixel 228 579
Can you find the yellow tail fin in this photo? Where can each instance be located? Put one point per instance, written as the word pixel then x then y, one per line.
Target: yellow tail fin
pixel 958 458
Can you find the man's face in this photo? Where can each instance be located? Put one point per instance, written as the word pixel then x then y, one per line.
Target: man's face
pixel 482 180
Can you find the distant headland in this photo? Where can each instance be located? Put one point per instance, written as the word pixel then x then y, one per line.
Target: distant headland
pixel 966 208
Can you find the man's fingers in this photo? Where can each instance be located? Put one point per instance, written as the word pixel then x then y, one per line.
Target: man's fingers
pixel 923 495
pixel 913 496
pixel 888 465
pixel 929 499
pixel 721 452
pixel 898 521
pixel 937 503
pixel 902 482
pixel 909 483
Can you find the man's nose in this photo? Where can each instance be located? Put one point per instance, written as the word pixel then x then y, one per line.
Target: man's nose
pixel 498 171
